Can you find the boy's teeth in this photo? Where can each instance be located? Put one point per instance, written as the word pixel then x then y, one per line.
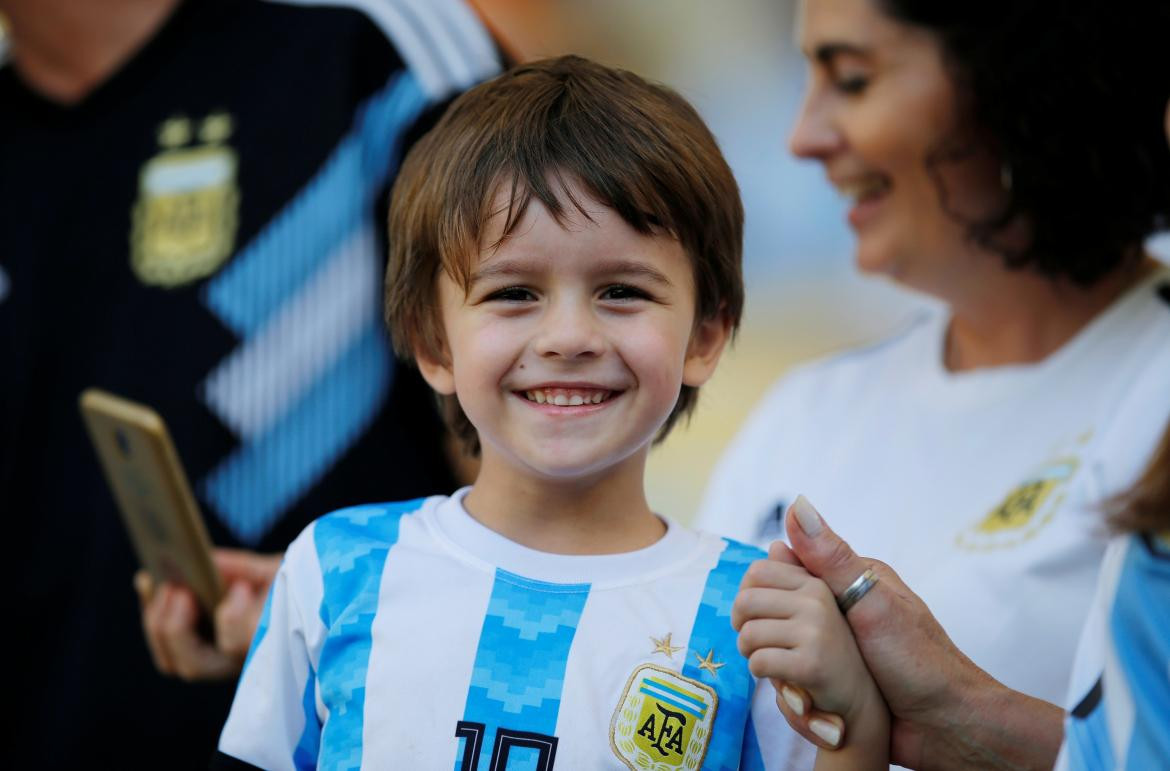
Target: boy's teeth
pixel 566 397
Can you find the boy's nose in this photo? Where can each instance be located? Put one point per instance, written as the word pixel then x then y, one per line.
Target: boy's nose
pixel 569 331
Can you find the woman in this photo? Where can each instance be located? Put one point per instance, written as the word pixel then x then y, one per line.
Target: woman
pixel 1008 162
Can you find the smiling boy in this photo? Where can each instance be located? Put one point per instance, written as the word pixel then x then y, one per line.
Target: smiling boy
pixel 565 271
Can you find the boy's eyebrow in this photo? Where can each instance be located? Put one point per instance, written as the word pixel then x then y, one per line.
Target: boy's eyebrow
pixel 614 267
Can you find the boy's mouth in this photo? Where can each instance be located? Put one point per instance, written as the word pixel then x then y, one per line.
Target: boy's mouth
pixel 568 397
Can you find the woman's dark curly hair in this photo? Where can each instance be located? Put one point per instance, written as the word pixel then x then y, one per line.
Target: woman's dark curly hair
pixel 1071 97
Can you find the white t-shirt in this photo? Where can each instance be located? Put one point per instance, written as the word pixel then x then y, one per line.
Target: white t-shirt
pixel 410 636
pixel 977 487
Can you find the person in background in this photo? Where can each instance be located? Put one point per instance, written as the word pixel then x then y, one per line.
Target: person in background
pixel 1005 160
pixel 193 200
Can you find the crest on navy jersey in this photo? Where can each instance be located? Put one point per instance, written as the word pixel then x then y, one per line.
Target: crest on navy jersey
pixel 1026 509
pixel 663 721
pixel 184 221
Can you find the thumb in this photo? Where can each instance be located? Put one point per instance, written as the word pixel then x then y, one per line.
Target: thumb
pixel 819 549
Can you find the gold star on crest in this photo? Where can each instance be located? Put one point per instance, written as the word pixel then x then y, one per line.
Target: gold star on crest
pixel 709 664
pixel 664 646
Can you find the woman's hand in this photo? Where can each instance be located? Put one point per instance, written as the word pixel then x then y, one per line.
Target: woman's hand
pixel 947 712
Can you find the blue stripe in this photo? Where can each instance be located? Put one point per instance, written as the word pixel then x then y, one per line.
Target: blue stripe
pixel 1139 622
pixel 332 206
pixel 309 746
pixel 252 488
pixel 262 478
pixel 712 632
pixel 659 696
pixel 261 628
pixel 753 759
pixel 520 663
pixel 352 546
pixel 653 684
pixel 1087 742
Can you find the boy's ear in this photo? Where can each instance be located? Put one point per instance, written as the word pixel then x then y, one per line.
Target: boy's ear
pixel 708 339
pixel 436 370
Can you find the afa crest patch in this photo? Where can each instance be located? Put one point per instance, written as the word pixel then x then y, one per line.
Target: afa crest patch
pixel 184 221
pixel 1025 511
pixel 663 721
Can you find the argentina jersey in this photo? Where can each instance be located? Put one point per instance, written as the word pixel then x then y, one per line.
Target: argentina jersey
pixel 410 636
pixel 1121 715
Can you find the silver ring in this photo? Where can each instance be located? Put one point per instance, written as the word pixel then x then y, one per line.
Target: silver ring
pixel 857 590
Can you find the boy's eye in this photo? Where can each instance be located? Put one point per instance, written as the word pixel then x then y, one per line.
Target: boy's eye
pixel 511 294
pixel 623 292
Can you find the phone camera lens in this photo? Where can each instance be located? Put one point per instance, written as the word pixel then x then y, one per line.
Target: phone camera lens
pixel 123 442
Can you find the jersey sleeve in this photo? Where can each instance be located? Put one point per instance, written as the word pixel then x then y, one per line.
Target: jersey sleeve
pixel 276 717
pixel 769 743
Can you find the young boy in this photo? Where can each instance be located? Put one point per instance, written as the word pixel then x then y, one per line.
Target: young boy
pixel 565 271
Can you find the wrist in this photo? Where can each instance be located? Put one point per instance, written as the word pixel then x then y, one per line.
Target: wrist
pixel 983 724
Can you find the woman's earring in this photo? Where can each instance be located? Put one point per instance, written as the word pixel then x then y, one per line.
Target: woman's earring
pixel 1005 176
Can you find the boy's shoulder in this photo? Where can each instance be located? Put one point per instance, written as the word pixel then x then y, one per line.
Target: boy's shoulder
pixel 364 526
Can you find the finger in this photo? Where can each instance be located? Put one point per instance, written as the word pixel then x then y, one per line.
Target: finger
pixel 826 726
pixel 236 619
pixel 152 615
pixel 799 721
pixel 143 587
pixel 797 698
pixel 178 635
pixel 759 603
pixel 243 565
pixel 770 574
pixel 760 633
pixel 780 552
pixel 819 549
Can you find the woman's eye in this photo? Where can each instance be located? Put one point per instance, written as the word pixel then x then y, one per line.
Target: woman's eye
pixel 852 85
pixel 511 294
pixel 623 292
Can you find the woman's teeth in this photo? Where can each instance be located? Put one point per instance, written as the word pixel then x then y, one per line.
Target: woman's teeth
pixel 865 187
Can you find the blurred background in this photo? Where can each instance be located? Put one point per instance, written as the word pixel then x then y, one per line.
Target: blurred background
pixel 739 65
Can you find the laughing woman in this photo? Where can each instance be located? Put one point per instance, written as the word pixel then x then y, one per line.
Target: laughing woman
pixel 1005 158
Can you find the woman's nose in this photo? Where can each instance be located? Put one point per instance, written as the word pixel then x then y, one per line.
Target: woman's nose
pixel 814 136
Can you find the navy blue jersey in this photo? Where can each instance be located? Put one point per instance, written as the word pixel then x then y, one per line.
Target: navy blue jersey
pixel 204 233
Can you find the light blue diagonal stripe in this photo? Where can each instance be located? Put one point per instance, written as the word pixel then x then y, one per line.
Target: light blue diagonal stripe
pixel 519 668
pixel 274 266
pixel 256 483
pixel 352 548
pixel 309 746
pixel 1138 623
pixel 712 632
pixel 1087 741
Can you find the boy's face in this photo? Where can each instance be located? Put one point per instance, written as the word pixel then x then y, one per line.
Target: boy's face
pixel 570 345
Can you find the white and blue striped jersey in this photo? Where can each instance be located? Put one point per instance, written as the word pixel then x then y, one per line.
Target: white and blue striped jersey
pixel 408 635
pixel 1122 716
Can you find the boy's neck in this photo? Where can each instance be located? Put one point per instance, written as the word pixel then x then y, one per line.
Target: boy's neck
pixel 605 513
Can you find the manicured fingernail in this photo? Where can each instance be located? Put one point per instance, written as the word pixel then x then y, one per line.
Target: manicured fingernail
pixel 795 703
pixel 806 516
pixel 826 730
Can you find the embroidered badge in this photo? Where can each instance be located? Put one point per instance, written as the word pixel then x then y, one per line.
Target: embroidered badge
pixel 184 221
pixel 1024 512
pixel 663 721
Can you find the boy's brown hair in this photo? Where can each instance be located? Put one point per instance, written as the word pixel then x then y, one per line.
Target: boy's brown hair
pixel 636 147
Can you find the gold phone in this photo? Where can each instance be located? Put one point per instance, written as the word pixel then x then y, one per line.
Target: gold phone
pixel 150 487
